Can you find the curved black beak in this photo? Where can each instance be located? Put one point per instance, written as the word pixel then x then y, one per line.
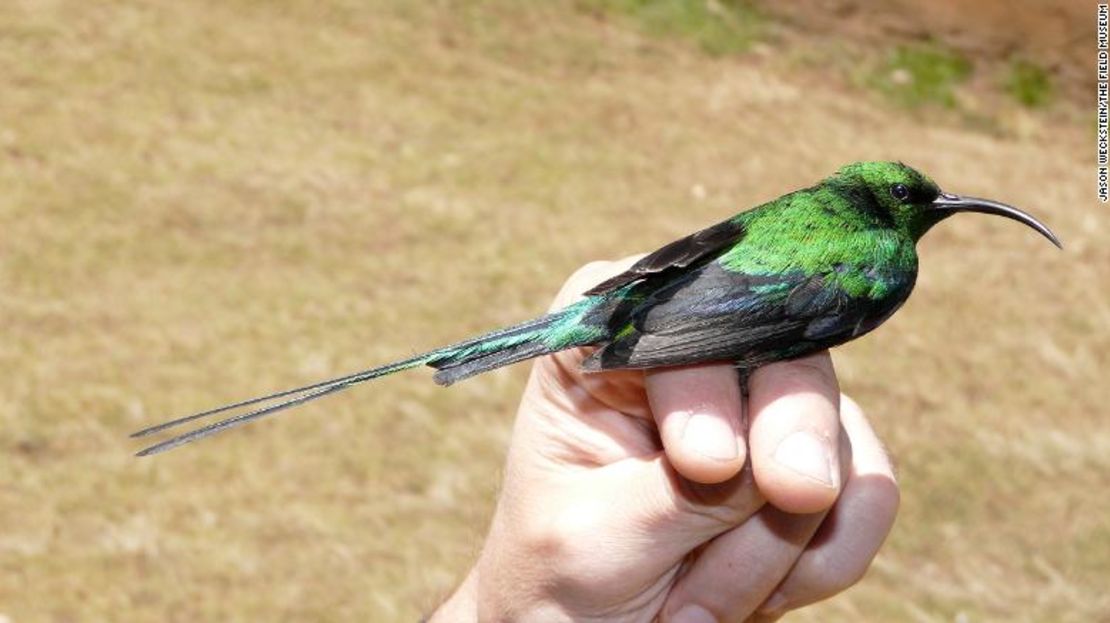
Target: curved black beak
pixel 955 203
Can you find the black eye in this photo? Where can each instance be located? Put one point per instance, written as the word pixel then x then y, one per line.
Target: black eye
pixel 900 192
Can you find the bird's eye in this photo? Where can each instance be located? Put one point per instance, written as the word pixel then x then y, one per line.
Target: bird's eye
pixel 900 192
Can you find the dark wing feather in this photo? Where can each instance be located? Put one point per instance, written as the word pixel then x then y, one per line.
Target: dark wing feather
pixel 678 254
pixel 713 314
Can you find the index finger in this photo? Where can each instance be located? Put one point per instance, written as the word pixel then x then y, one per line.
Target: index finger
pixel 794 434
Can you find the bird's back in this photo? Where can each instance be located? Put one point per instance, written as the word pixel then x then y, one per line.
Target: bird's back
pixel 798 277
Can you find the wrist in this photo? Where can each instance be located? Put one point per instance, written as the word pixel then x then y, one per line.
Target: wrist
pixel 462 605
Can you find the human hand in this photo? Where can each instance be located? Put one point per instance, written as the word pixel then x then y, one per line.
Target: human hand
pixel 633 495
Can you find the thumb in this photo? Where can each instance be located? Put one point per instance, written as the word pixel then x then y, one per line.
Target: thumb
pixel 658 510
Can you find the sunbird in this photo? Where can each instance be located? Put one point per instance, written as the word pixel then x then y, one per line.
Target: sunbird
pixel 810 270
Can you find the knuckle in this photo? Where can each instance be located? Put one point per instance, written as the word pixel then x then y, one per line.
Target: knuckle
pixel 836 578
pixel 726 504
pixel 886 498
pixel 824 574
pixel 723 515
pixel 802 383
pixel 834 574
pixel 811 371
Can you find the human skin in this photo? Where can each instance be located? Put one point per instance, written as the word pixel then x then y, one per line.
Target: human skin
pixel 632 495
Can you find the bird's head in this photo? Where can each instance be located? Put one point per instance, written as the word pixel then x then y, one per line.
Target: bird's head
pixel 914 203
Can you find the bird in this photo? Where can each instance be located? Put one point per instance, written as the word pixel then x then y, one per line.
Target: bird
pixel 810 270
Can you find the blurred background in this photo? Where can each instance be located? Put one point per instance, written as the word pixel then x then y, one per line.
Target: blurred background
pixel 203 201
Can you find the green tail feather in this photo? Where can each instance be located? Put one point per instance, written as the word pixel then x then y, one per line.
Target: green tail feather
pixel 536 337
pixel 476 364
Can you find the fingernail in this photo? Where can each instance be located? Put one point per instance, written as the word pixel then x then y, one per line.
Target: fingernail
pixel 805 454
pixel 693 613
pixel 710 436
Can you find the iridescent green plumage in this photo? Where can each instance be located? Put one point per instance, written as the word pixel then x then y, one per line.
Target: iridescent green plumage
pixel 804 272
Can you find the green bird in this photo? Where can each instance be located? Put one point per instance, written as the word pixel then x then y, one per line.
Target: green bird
pixel 807 271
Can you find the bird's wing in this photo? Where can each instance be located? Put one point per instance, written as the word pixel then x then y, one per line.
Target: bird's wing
pixel 713 314
pixel 679 254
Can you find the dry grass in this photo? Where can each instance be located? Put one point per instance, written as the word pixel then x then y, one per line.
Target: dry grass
pixel 203 201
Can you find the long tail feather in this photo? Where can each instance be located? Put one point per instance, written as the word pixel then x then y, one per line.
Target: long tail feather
pixel 349 379
pixel 455 362
pixel 230 422
pixel 307 393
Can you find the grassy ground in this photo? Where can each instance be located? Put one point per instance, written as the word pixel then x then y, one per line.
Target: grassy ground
pixel 208 200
